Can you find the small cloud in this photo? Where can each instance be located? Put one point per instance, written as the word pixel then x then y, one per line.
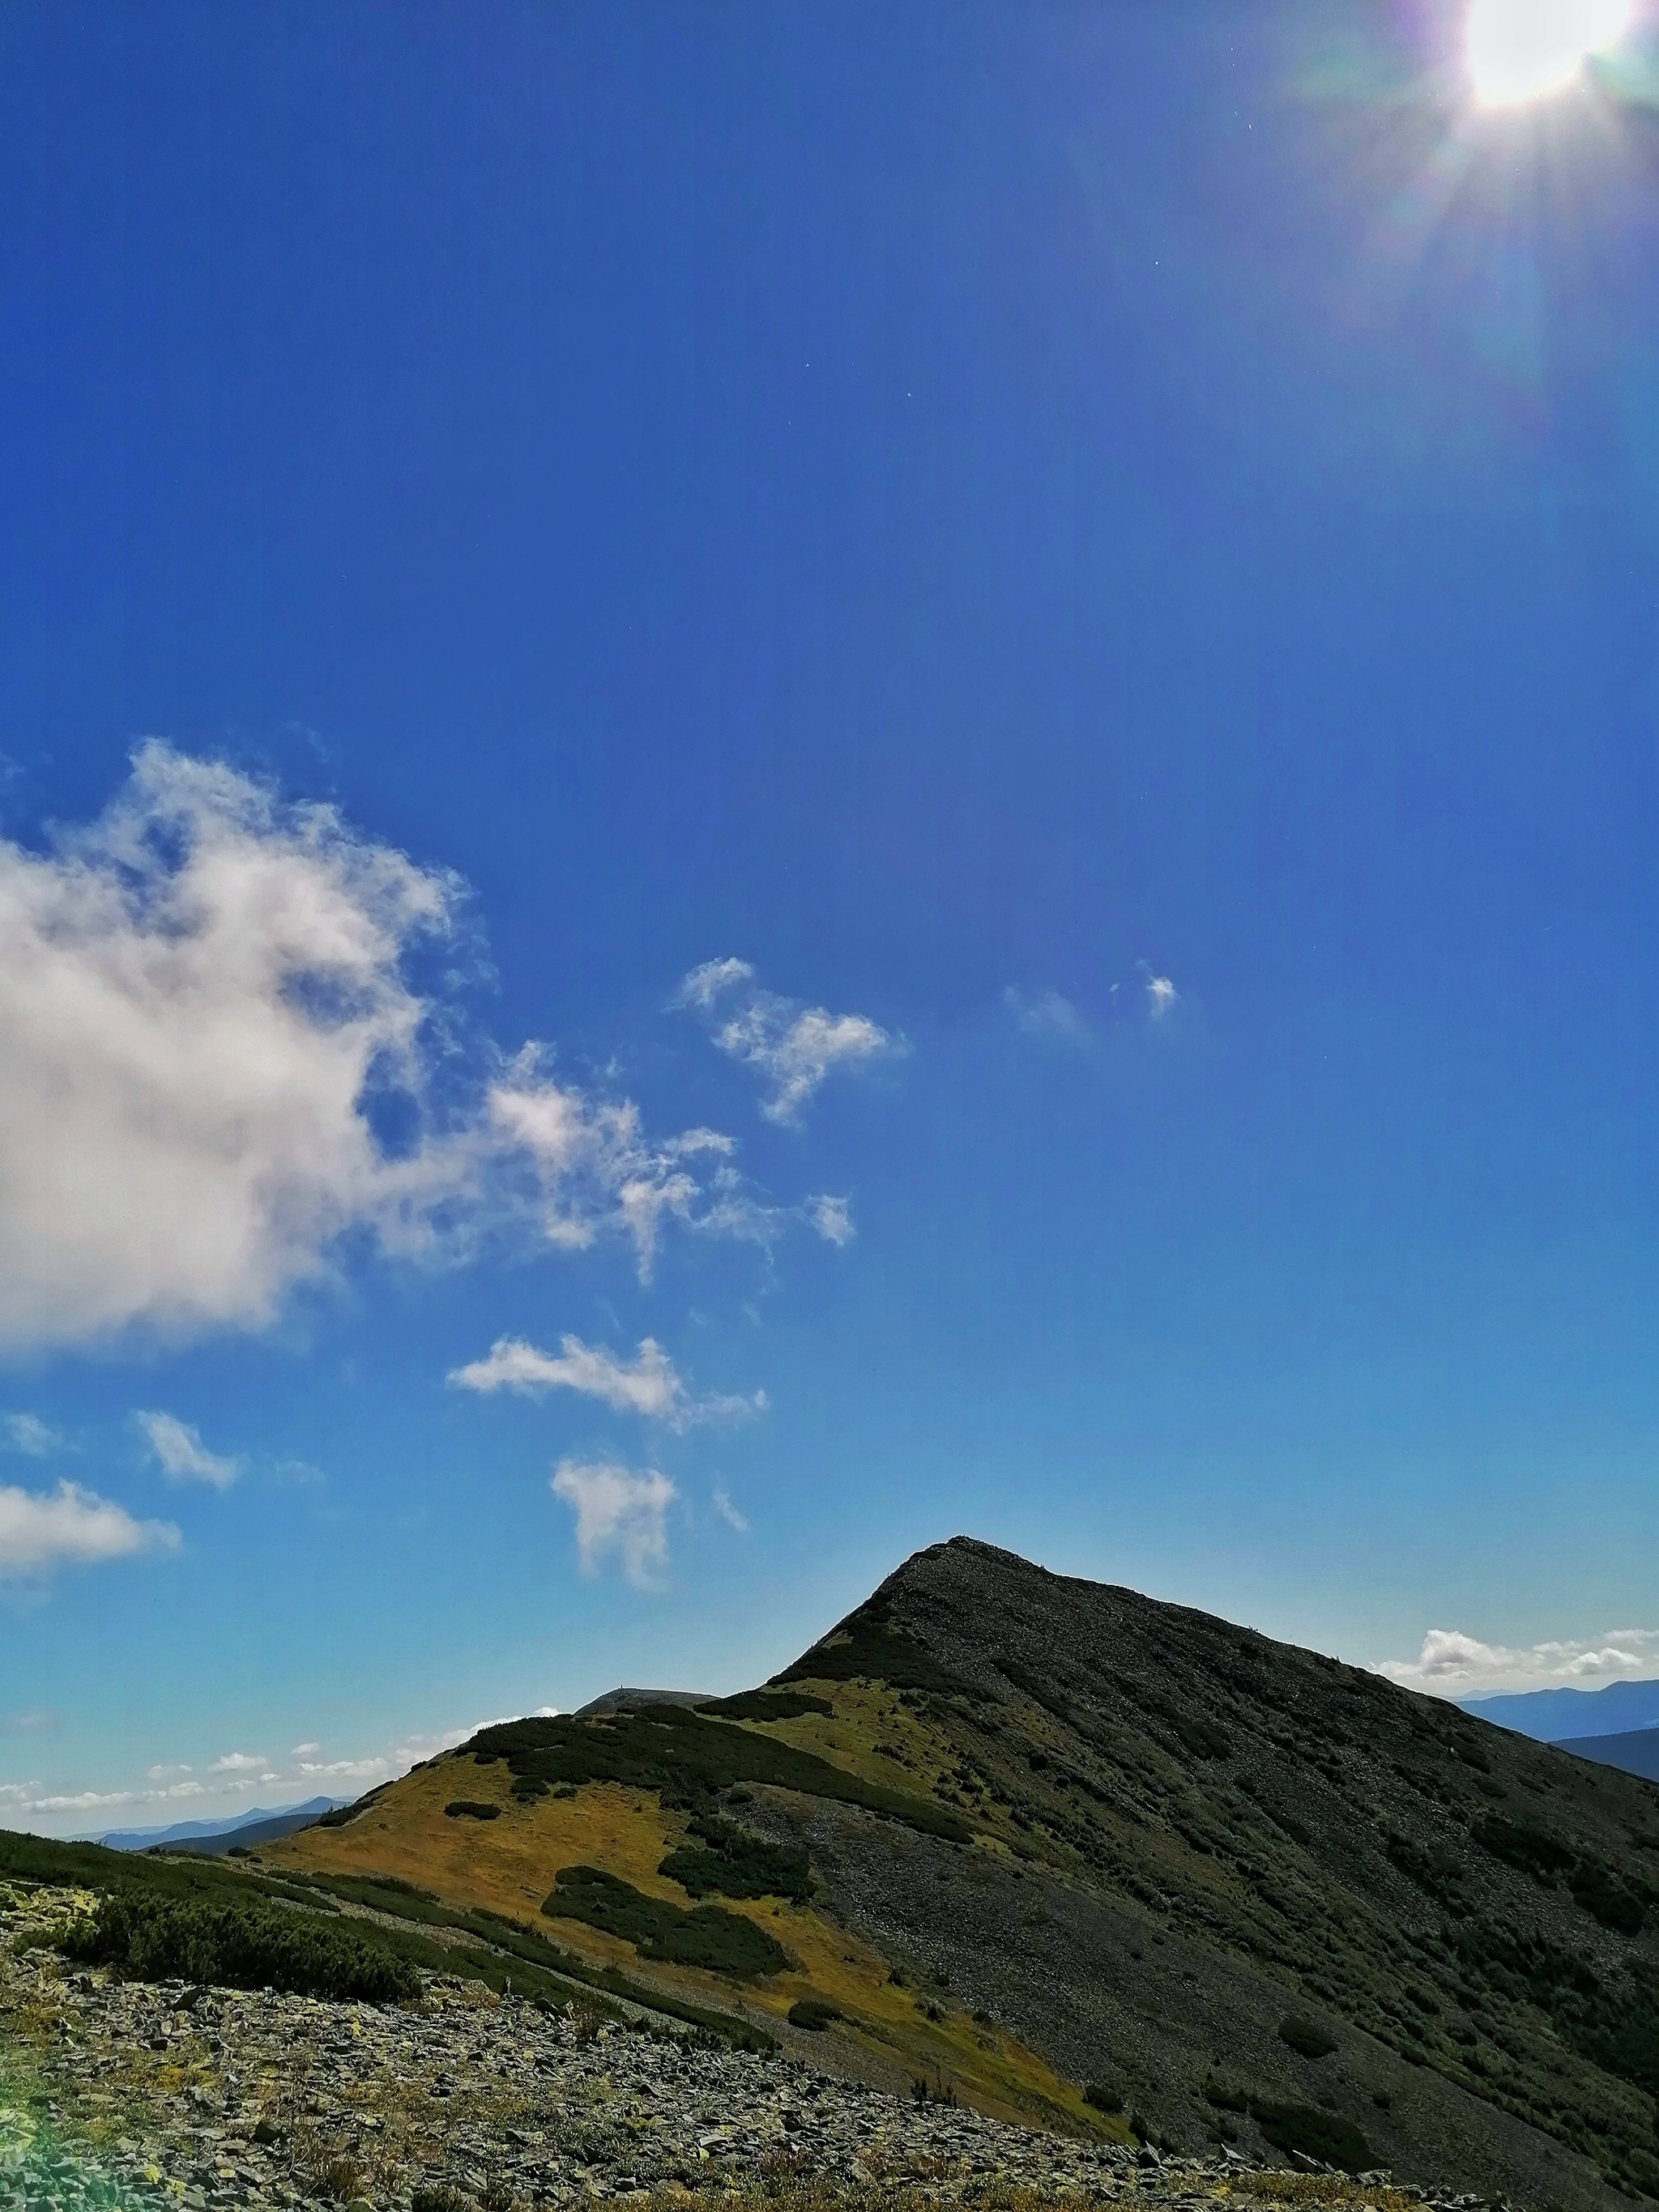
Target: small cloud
pixel 305 1751
pixel 182 1456
pixel 618 1512
pixel 36 1720
pixel 1453 1663
pixel 648 1384
pixel 832 1218
pixel 727 1511
pixel 1048 1014
pixel 1161 995
pixel 165 1773
pixel 346 1769
pixel 239 1762
pixel 28 1433
pixel 792 1048
pixel 301 1473
pixel 69 1527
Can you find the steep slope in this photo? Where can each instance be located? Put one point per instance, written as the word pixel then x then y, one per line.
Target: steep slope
pixel 1024 1834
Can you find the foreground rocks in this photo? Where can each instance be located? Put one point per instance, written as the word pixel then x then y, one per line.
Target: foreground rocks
pixel 127 2093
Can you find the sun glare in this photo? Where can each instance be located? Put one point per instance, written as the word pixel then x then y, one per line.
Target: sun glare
pixel 1523 50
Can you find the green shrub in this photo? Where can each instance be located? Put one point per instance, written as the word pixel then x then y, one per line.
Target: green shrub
pixel 443 2198
pixel 766 1705
pixel 731 1862
pixel 1324 2135
pixel 811 2012
pixel 723 1942
pixel 687 1759
pixel 1307 2037
pixel 1103 2098
pixel 243 1947
pixel 470 1809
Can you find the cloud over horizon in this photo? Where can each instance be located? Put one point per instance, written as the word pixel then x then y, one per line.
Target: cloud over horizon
pixel 1452 1664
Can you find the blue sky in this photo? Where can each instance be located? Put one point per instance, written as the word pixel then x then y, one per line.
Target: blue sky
pixel 779 779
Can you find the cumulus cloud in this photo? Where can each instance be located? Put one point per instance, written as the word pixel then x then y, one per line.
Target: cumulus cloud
pixel 1048 1015
pixel 792 1048
pixel 69 1527
pixel 649 1384
pixel 619 1514
pixel 1455 1664
pixel 832 1218
pixel 182 1456
pixel 207 1023
pixel 197 995
pixel 305 1751
pixel 239 1762
pixel 28 1433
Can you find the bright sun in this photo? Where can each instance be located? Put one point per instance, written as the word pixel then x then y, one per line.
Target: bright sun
pixel 1522 50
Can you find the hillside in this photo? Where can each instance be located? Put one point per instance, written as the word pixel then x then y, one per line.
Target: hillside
pixel 1023 1835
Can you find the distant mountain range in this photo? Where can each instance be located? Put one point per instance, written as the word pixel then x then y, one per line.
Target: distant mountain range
pixel 1563 1715
pixel 204 1834
pixel 1635 1751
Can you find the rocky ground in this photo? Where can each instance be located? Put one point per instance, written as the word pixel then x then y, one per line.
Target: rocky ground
pixel 133 2094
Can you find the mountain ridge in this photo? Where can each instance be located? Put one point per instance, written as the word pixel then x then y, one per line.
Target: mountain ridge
pixel 1065 1834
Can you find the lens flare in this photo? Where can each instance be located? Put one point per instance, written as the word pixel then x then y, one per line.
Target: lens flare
pixel 1522 50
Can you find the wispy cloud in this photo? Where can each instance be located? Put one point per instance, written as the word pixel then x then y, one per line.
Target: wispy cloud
pixel 1048 1014
pixel 33 1719
pixel 792 1048
pixel 69 1527
pixel 1162 996
pixel 832 1218
pixel 1455 1664
pixel 28 1433
pixel 721 1499
pixel 182 1456
pixel 620 1514
pixel 649 1384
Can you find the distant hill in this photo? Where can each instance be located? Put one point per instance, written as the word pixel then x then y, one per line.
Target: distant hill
pixel 1556 1715
pixel 202 1834
pixel 1023 1835
pixel 1636 1751
pixel 635 1701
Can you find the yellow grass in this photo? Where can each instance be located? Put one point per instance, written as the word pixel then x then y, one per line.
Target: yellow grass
pixel 509 1865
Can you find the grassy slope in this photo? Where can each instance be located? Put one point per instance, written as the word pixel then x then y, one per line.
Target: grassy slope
pixel 508 1866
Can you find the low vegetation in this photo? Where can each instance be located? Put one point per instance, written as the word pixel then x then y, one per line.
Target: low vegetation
pixel 687 1759
pixel 239 1946
pixel 720 1943
pixel 471 1808
pixel 726 1860
pixel 813 2012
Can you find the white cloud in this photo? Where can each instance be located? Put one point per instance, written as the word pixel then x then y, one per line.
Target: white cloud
pixel 1048 1014
pixel 649 1384
pixel 182 1456
pixel 1161 994
pixel 239 1762
pixel 305 1751
pixel 593 1171
pixel 35 1718
pixel 205 999
pixel 197 992
pixel 165 1773
pixel 28 1433
pixel 832 1218
pixel 727 1511
pixel 69 1527
pixel 1454 1664
pixel 618 1512
pixel 792 1046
